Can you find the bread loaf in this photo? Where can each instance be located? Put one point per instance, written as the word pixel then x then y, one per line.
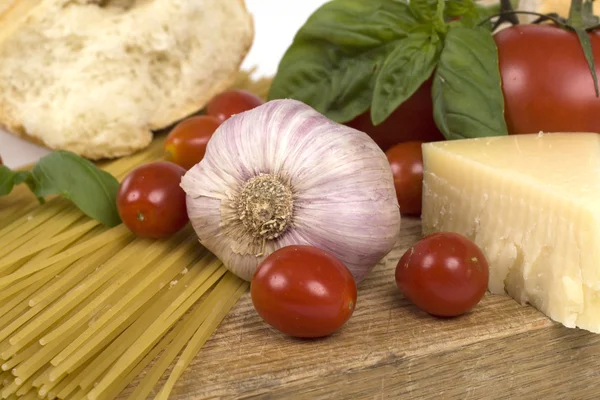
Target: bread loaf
pixel 97 76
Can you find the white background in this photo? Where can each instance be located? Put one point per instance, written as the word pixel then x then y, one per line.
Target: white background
pixel 275 21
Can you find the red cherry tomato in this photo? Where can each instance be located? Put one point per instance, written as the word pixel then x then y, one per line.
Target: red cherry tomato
pixel 1 162
pixel 411 121
pixel 546 80
pixel 150 201
pixel 406 160
pixel 303 291
pixel 232 102
pixel 186 143
pixel 444 274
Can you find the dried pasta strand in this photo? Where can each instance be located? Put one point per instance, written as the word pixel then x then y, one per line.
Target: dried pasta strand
pixel 151 335
pixel 70 381
pixel 34 327
pixel 28 385
pixel 31 221
pixel 10 389
pixel 42 378
pixel 21 356
pixel 22 270
pixel 66 237
pixel 23 284
pixel 76 252
pixel 29 314
pixel 18 305
pixel 191 325
pixel 164 322
pixel 78 395
pixel 118 386
pixel 42 357
pixel 5 378
pixel 84 289
pixel 14 348
pixel 219 312
pixel 78 270
pixel 121 167
pixel 134 298
pixel 122 279
pixel 50 389
pixel 155 307
pixel 9 215
pixel 38 235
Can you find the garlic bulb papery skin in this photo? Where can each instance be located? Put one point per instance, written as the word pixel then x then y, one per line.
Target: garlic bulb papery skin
pixel 283 174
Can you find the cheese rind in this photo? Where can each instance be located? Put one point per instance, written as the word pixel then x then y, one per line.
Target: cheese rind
pixel 532 204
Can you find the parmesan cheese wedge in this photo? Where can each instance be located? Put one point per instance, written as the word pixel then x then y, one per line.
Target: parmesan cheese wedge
pixel 532 204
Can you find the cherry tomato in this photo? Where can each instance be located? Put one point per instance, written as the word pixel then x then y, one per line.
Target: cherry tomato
pixel 444 274
pixel 411 121
pixel 232 102
pixel 406 160
pixel 150 201
pixel 546 80
pixel 186 143
pixel 1 162
pixel 303 291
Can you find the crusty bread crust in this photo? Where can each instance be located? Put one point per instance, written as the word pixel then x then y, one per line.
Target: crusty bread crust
pixel 171 113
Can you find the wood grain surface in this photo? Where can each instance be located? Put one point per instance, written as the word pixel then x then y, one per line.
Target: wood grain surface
pixel 391 350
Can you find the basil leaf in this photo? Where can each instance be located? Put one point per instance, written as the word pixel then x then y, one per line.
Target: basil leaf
pixel 353 25
pixel 321 76
pixel 334 60
pixel 460 8
pixel 467 87
pixel 9 179
pixel 404 71
pixel 91 189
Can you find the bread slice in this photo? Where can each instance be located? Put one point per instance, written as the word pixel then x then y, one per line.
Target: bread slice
pixel 97 76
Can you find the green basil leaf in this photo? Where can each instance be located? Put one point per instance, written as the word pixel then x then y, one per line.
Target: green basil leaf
pixel 424 9
pixel 91 189
pixel 471 14
pixel 467 87
pixel 323 77
pixel 9 179
pixel 335 57
pixel 358 24
pixel 404 71
pixel 460 8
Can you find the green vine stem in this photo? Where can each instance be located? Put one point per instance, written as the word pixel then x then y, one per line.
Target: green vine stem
pixel 581 20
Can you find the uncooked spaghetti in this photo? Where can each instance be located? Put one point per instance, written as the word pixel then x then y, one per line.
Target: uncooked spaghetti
pixel 85 308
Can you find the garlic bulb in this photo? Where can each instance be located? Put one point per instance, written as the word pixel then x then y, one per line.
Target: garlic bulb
pixel 283 174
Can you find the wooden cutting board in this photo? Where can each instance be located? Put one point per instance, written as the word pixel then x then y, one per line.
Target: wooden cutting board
pixel 389 349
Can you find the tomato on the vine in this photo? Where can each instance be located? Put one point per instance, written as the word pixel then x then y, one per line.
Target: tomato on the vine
pixel 150 201
pixel 406 160
pixel 232 102
pixel 303 291
pixel 444 274
pixel 186 144
pixel 546 80
pixel 411 121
